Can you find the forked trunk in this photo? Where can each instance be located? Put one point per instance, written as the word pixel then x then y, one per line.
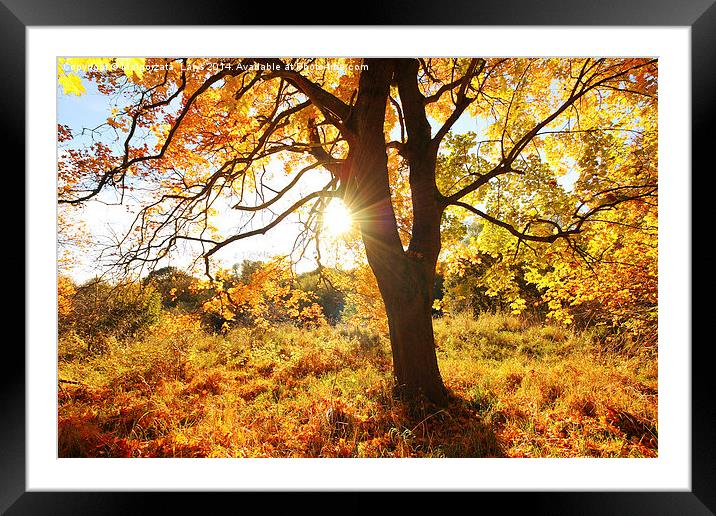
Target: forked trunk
pixel 405 277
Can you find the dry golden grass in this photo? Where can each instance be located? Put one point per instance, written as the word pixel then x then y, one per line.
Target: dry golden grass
pixel 517 390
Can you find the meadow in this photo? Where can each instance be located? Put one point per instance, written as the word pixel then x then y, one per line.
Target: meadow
pixel 517 388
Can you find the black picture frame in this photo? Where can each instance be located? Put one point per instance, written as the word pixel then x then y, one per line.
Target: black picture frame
pixel 700 15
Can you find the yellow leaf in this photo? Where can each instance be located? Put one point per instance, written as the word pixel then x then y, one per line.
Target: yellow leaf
pixel 71 85
pixel 131 65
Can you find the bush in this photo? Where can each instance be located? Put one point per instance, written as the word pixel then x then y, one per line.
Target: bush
pixel 100 310
pixel 322 284
pixel 479 282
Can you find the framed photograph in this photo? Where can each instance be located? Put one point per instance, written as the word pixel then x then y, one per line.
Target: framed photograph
pixel 432 250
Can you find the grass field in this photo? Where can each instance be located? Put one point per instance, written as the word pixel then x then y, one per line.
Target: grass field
pixel 517 390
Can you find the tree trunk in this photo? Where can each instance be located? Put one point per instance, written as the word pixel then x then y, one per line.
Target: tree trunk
pixel 407 294
pixel 405 278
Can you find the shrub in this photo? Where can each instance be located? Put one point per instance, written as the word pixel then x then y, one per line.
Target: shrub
pixel 322 284
pixel 100 310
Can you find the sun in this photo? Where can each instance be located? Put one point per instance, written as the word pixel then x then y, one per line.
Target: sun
pixel 337 218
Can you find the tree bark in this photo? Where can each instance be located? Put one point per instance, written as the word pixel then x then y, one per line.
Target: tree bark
pixel 407 294
pixel 405 278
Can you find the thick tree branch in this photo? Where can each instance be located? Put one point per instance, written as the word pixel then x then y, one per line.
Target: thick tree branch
pixel 580 88
pixel 522 235
pixel 480 181
pixel 333 108
pixel 462 101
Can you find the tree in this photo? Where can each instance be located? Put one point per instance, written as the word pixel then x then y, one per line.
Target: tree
pixel 205 131
pixel 176 287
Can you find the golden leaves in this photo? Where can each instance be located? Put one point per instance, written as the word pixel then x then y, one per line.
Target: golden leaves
pixel 70 68
pixel 267 296
pixel 131 66
pixel 71 85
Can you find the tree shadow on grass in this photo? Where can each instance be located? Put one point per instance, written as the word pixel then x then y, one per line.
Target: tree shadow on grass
pixel 457 430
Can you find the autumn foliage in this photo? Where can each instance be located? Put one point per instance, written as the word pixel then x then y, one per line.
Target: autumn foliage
pixel 268 296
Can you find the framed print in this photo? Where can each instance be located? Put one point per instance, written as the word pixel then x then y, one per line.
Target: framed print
pixel 497 310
